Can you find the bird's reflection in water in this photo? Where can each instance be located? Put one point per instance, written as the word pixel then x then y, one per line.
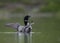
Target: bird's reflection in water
pixel 27 38
pixel 24 38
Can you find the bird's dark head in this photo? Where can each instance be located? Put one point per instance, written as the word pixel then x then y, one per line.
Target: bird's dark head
pixel 28 16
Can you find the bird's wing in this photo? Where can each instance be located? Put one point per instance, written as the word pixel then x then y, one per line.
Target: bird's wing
pixel 13 25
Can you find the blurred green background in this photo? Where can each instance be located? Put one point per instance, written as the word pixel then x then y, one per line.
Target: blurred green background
pixel 44 13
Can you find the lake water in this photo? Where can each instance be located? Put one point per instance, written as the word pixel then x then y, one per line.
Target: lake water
pixel 14 37
pixel 37 37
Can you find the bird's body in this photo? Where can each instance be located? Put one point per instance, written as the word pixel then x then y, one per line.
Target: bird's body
pixel 20 28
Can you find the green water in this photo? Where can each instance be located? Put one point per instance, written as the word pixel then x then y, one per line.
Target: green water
pixel 34 38
pixel 15 38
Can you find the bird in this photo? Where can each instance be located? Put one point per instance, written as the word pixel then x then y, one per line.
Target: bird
pixel 20 28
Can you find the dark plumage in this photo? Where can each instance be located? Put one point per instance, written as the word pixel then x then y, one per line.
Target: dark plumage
pixel 26 18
